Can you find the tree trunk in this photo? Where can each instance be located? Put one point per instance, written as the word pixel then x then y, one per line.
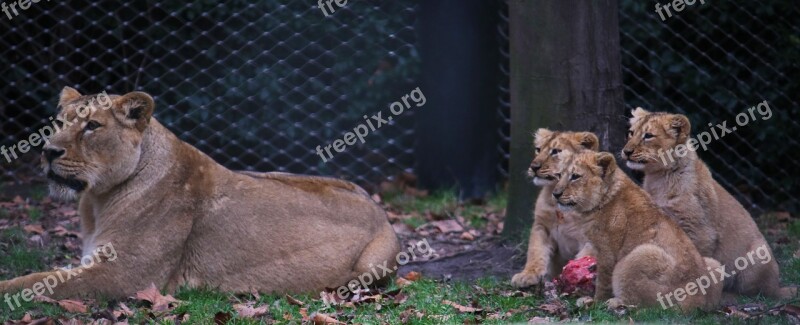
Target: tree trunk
pixel 565 75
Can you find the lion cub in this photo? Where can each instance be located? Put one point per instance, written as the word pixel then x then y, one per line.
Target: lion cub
pixel 641 253
pixel 682 185
pixel 555 237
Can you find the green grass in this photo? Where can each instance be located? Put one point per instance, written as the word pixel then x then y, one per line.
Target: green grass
pixel 34 214
pixel 445 204
pixel 18 257
pixel 38 193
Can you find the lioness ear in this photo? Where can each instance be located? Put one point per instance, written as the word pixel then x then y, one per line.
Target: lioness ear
pixel 589 141
pixel 681 127
pixel 542 134
pixel 134 109
pixel 606 162
pixel 637 114
pixel 68 94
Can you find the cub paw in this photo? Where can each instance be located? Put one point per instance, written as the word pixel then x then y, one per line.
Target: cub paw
pixel 527 279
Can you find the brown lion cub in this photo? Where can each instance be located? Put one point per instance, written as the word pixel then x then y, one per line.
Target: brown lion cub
pixel 682 185
pixel 555 237
pixel 177 218
pixel 641 253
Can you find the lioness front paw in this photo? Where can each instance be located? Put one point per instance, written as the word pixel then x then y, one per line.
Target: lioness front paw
pixel 527 279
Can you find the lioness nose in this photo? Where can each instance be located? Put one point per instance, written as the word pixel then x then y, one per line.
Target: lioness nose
pixel 557 194
pixel 52 153
pixel 627 152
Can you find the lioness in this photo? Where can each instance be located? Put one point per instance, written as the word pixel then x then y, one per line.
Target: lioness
pixel 555 237
pixel 178 218
pixel 642 255
pixel 682 185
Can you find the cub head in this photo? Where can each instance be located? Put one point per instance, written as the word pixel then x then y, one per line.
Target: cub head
pixel 584 180
pixel 552 147
pixel 96 143
pixel 651 136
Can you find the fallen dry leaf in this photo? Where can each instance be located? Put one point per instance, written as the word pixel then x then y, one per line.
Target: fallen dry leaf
pixel 159 302
pixel 462 308
pixel 732 311
pixel 293 301
pixel 402 282
pixel 447 226
pixel 584 302
pixel 34 229
pixel 322 319
pixel 222 318
pixel 467 236
pixel 247 311
pixel 63 232
pixel 540 320
pixel 123 311
pixel 73 306
pixel 413 276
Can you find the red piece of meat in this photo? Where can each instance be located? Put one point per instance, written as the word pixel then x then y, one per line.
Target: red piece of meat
pixel 577 277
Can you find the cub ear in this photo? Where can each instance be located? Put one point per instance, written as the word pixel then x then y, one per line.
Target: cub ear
pixel 681 126
pixel 542 133
pixel 68 94
pixel 134 109
pixel 606 162
pixel 637 114
pixel 589 140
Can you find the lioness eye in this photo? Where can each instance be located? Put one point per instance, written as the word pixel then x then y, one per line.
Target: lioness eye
pixel 554 152
pixel 574 177
pixel 92 125
pixel 630 133
pixel 648 135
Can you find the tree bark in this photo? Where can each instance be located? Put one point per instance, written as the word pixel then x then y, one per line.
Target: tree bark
pixel 565 75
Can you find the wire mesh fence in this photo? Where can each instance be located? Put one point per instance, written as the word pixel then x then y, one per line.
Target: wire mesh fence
pixel 713 62
pixel 257 85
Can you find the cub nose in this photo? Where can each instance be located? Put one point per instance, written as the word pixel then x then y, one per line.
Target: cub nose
pixel 557 194
pixel 627 152
pixel 536 166
pixel 52 153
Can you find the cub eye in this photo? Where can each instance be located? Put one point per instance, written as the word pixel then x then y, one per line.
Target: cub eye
pixel 537 150
pixel 92 125
pixel 554 152
pixel 630 134
pixel 648 136
pixel 558 175
pixel 574 177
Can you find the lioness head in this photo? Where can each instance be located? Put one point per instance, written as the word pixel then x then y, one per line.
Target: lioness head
pixel 651 136
pixel 584 180
pixel 552 147
pixel 97 143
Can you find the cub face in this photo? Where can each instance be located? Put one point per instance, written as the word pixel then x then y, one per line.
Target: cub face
pixel 552 147
pixel 97 144
pixel 583 180
pixel 651 136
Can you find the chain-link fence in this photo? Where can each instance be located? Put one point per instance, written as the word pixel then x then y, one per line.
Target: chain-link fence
pixel 257 85
pixel 712 62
